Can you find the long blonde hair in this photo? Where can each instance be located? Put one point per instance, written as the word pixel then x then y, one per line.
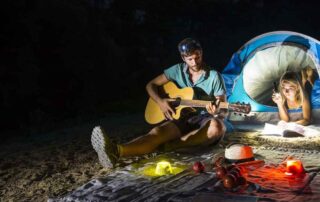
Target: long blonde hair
pixel 293 78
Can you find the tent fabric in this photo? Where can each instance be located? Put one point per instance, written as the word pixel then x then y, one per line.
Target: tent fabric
pixel 250 73
pixel 273 62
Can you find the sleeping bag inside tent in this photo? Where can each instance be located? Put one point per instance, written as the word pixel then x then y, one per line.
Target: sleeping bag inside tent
pixel 253 69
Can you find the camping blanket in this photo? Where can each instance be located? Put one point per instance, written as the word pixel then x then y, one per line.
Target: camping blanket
pixel 131 184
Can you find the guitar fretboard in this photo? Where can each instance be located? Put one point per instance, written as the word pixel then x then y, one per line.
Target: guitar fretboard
pixel 201 103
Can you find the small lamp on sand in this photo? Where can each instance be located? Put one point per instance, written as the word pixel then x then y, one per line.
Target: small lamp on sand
pixel 294 167
pixel 163 168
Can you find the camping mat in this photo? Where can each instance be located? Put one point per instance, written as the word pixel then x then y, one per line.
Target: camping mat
pixel 310 193
pixel 130 183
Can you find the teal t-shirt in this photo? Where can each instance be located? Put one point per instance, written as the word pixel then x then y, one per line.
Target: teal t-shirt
pixel 209 85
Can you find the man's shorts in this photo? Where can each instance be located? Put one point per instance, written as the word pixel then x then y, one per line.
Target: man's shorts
pixel 193 121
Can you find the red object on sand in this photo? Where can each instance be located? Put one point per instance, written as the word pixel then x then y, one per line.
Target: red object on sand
pixel 242 180
pixel 218 162
pixel 231 167
pixel 220 172
pixel 235 173
pixel 198 167
pixel 229 181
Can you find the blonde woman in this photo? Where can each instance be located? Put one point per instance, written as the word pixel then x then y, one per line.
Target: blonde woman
pixel 292 95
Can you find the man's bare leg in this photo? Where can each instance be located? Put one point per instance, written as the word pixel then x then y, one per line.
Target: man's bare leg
pixel 109 152
pixel 149 142
pixel 212 131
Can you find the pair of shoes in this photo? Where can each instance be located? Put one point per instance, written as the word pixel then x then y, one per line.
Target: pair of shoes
pixel 106 149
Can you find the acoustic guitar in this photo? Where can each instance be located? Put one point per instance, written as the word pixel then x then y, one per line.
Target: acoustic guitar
pixel 182 98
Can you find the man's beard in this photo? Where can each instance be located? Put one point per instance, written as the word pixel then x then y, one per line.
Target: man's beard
pixel 196 68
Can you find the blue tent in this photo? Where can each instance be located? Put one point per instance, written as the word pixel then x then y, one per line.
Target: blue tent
pixel 250 74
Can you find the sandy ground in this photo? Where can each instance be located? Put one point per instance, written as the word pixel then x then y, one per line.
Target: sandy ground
pixel 42 166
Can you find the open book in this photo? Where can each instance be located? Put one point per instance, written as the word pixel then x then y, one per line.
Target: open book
pixel 290 129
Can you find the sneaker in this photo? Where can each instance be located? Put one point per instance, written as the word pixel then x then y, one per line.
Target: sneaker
pixel 106 149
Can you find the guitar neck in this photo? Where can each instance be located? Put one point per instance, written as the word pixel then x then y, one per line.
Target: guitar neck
pixel 201 103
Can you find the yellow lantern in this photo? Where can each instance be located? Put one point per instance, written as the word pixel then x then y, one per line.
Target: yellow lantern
pixel 163 168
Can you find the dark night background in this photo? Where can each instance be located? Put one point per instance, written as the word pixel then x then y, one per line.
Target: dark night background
pixel 66 62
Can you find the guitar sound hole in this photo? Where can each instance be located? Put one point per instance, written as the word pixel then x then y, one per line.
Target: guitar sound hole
pixel 176 103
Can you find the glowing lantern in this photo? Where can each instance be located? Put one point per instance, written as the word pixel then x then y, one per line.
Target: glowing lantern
pixel 163 168
pixel 294 167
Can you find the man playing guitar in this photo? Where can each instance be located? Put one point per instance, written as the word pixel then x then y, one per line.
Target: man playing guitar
pixel 199 127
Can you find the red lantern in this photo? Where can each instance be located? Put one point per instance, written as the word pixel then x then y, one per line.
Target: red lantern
pixel 294 167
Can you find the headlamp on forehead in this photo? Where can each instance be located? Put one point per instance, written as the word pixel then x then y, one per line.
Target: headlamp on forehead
pixel 188 46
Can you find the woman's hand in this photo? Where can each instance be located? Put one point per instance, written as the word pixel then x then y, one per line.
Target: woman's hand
pixel 166 109
pixel 277 98
pixel 212 109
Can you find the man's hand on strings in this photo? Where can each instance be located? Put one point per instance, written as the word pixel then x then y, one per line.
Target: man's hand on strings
pixel 166 109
